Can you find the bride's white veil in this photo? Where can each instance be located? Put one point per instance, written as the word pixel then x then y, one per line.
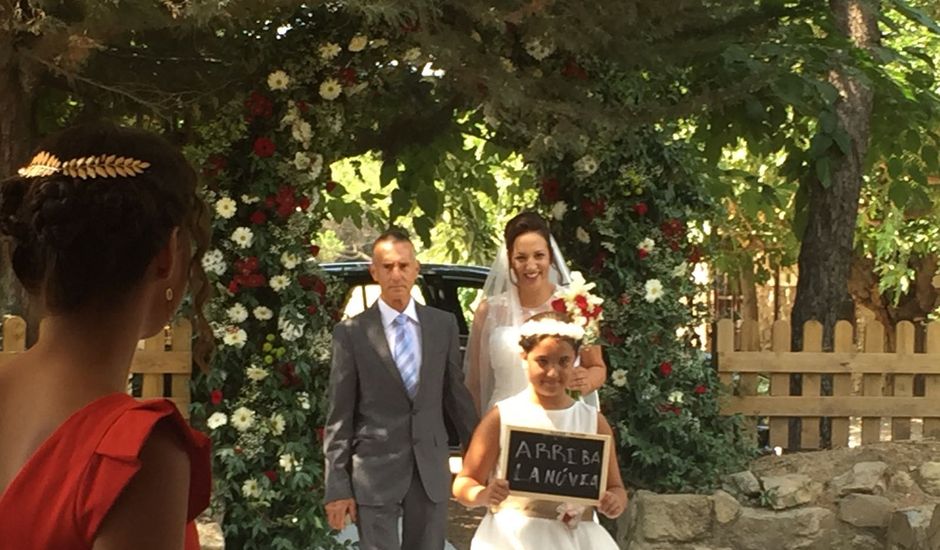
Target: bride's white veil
pixel 503 309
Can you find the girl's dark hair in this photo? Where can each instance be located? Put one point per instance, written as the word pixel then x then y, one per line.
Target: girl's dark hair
pixel 78 241
pixel 528 343
pixel 525 222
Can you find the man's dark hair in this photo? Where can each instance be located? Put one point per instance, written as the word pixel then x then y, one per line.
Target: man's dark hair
pixel 394 234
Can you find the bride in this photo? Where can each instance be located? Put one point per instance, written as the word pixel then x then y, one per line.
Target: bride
pixel 522 282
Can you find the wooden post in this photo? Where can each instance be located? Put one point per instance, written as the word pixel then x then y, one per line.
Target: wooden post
pixel 152 383
pixel 903 383
pixel 182 341
pixel 812 341
pixel 841 383
pixel 747 385
pixel 14 334
pixel 873 384
pixel 932 381
pixel 780 385
pixel 726 345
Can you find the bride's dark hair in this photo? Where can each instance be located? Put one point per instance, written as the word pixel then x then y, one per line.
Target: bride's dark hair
pixel 526 222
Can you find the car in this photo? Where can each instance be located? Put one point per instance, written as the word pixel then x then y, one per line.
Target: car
pixel 454 288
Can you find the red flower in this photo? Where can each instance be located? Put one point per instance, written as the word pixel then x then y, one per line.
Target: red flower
pixel 599 260
pixel 312 309
pixel 289 375
pixel 247 266
pixel 551 190
pixel 258 217
pixel 670 408
pixel 594 313
pixel 330 186
pixel 611 337
pixel 642 253
pixel 559 305
pixel 271 475
pixel 215 397
pixel 302 106
pixel 700 389
pixel 582 303
pixel 263 147
pixel 665 368
pixel 256 280
pixel 695 255
pixel 233 287
pixel 624 299
pixel 270 201
pixel 259 105
pixel 214 165
pixel 640 208
pixel 592 209
pixel 304 203
pixel 319 287
pixel 674 245
pixel 347 76
pixel 672 228
pixel 314 250
pixel 573 70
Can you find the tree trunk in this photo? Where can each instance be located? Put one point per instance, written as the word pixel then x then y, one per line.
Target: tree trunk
pixel 826 249
pixel 749 306
pixel 17 138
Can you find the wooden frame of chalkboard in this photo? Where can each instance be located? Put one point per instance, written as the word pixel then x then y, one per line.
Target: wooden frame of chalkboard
pixel 568 475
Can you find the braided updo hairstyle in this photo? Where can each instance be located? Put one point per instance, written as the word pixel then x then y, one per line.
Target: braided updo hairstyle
pixel 79 242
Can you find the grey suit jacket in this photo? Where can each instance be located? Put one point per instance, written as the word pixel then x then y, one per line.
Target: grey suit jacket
pixel 375 434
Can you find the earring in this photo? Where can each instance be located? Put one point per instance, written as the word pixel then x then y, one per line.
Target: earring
pixel 169 294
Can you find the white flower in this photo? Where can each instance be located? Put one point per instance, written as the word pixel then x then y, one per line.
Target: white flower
pixel 278 424
pixel 411 55
pixel 654 290
pixel 301 160
pixel 247 199
pixel 216 420
pixel 290 330
pixel 507 64
pixel 330 89
pixel 317 166
pixel 279 282
pixel 301 131
pixel 243 418
pixel 358 43
pixel 681 270
pixel 256 374
pixel 235 337
pixel 289 260
pixel 213 262
pixel 278 80
pixel 559 209
pixel 237 313
pixel 329 50
pixel 619 378
pixel 251 488
pixel 582 235
pixel 262 313
pixel 539 49
pixel 303 399
pixel 647 244
pixel 611 247
pixel 378 43
pixel 288 462
pixel 225 208
pixel 675 397
pixel 586 165
pixel 243 237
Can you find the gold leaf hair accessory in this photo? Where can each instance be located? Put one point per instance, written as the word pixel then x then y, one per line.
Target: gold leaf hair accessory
pixel 95 166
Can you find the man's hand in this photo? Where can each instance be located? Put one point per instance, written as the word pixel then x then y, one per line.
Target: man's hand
pixel 337 510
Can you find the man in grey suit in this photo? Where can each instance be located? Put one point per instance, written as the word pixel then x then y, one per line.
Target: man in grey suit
pixel 396 369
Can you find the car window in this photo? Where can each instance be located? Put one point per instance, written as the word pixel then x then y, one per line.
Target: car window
pixel 363 296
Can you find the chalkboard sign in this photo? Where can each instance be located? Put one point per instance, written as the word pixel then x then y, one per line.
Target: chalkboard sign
pixel 550 465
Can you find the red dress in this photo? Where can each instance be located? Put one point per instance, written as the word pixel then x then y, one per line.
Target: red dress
pixel 64 491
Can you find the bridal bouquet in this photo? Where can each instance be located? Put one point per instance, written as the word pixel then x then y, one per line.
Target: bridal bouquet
pixel 584 308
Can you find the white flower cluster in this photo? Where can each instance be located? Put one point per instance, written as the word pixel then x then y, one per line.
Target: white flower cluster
pixel 256 374
pixel 358 43
pixel 654 290
pixel 619 378
pixel 290 260
pixel 235 337
pixel 225 208
pixel 539 48
pixel 279 282
pixel 329 51
pixel 586 165
pixel 278 80
pixel 289 463
pixel 290 330
pixel 577 288
pixel 214 262
pixel 551 327
pixel 647 244
pixel 243 237
pixel 243 419
pixel 216 420
pixel 262 313
pixel 559 209
pixel 330 89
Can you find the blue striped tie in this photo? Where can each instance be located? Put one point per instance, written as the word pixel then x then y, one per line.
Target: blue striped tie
pixel 406 354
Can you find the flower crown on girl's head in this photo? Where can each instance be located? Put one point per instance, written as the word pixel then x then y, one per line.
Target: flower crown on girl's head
pixel 551 327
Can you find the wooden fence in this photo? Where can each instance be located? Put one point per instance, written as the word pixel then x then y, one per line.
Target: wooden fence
pixel 162 366
pixel 869 385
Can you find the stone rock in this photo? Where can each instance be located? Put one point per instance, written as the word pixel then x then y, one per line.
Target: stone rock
pixel 671 518
pixel 858 542
pixel 866 510
pixel 901 483
pixel 210 535
pixel 742 484
pixel 929 473
pixel 726 507
pixel 791 490
pixel 864 477
pixel 801 528
pixel 908 528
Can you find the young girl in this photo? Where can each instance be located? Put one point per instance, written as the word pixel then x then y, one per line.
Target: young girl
pixel 105 229
pixel 549 343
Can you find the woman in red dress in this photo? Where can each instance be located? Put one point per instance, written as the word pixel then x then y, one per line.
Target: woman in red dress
pixel 102 224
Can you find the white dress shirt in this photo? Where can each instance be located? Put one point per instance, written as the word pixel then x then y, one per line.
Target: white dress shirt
pixel 388 323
